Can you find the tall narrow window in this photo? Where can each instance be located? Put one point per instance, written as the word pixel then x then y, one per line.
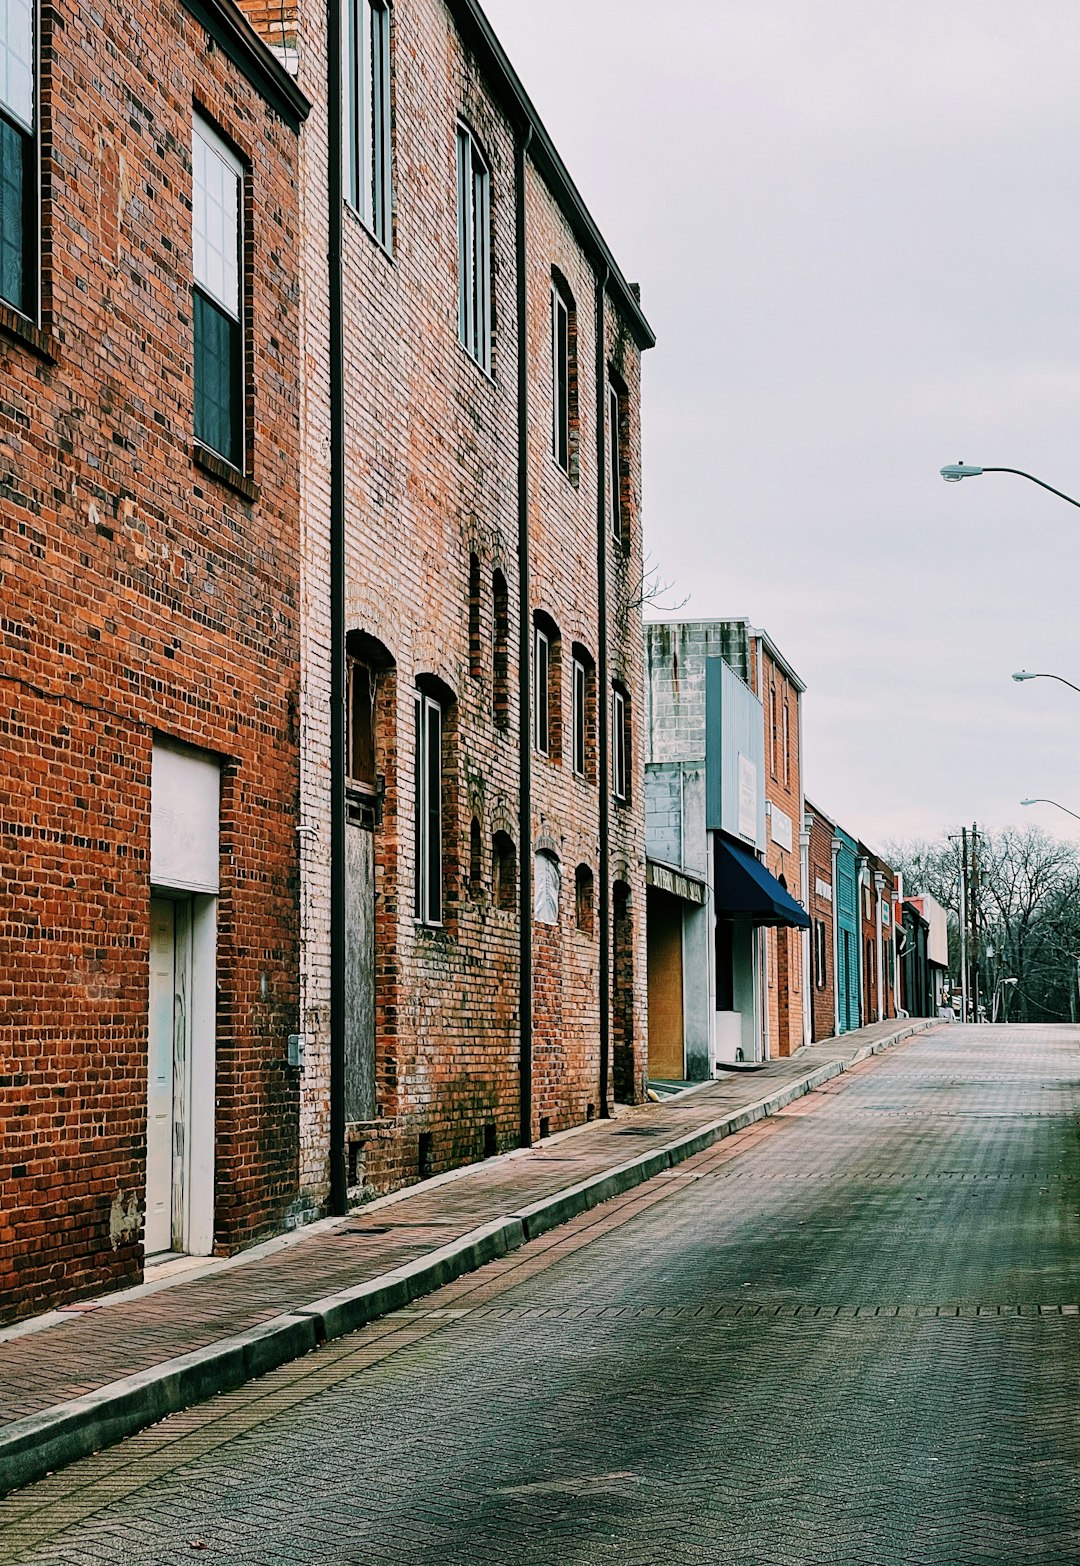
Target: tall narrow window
pixel 580 731
pixel 500 691
pixel 18 158
pixel 217 235
pixel 560 376
pixel 615 397
pixel 428 814
pixel 503 872
pixel 475 648
pixel 541 691
pixel 360 727
pixel 366 105
pixel 619 746
pixel 772 727
pixel 474 249
pixel 786 739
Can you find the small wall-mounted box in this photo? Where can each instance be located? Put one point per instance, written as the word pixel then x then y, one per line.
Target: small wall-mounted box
pixel 296 1049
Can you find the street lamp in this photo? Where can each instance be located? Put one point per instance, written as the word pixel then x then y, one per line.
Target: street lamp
pixel 1002 990
pixel 1053 802
pixel 1025 674
pixel 953 472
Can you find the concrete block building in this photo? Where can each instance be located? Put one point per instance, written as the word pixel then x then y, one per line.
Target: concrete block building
pixel 149 663
pixel 715 774
pixel 472 833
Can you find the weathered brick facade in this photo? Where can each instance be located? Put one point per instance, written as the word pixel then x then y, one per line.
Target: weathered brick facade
pixel 780 692
pixel 876 941
pixel 821 910
pixel 434 604
pixel 145 596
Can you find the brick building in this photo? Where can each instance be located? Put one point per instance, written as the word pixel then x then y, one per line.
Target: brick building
pixel 472 841
pixel 878 889
pixel 785 953
pixel 821 906
pixel 150 438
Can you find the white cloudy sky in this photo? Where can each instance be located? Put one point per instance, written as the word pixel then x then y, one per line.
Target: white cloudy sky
pixel 856 224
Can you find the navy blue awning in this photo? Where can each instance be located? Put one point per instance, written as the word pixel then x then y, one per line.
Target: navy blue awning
pixel 744 889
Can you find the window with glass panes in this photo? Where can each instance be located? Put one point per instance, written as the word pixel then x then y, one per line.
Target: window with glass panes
pixel 560 377
pixel 474 249
pixel 579 699
pixel 428 810
pixel 18 157
pixel 366 104
pixel 217 236
pixel 541 691
pixel 618 744
pixel 615 462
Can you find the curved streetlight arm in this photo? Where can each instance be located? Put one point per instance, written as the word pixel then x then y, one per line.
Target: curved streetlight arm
pixel 1055 804
pixel 1025 674
pixel 1021 474
pixel 961 470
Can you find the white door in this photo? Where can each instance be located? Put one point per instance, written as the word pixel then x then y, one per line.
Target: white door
pixel 167 1175
pixel 159 1118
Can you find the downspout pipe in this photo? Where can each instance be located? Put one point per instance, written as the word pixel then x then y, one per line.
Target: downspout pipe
pixel 525 862
pixel 861 881
pixel 603 697
pixel 836 845
pixel 879 887
pixel 335 303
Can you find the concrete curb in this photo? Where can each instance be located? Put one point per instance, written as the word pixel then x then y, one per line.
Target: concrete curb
pixel 32 1447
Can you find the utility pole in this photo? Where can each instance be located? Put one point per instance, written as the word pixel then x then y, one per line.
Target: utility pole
pixel 963 926
pixel 973 897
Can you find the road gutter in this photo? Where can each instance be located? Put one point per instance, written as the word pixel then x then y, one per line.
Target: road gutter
pixel 40 1443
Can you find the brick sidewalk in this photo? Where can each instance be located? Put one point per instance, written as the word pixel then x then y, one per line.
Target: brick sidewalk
pixel 73 1378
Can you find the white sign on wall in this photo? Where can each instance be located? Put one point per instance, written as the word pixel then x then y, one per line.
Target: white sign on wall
pixel 823 889
pixel 185 791
pixel 780 828
pixel 747 798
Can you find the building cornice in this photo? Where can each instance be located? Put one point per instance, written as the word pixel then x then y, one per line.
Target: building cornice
pixel 260 66
pixel 505 82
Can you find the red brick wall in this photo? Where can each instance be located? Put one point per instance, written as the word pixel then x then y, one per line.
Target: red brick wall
pixel 140 595
pixel 783 780
pixel 821 869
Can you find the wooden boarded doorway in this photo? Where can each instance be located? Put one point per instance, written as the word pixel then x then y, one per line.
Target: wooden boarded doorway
pixel 666 1042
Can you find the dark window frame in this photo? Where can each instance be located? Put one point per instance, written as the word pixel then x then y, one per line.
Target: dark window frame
pixel 620 744
pixel 226 435
pixel 366 106
pixel 20 142
pixel 428 815
pixel 474 248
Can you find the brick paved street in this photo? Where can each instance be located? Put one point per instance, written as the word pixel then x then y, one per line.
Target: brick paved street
pixel 850 1334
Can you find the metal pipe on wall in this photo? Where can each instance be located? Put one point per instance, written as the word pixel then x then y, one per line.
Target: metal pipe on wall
pixel 525 862
pixel 336 335
pixel 603 698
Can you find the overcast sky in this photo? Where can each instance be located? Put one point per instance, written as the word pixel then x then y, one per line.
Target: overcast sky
pixel 857 231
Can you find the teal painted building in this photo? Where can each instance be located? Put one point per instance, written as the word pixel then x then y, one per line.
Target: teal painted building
pixel 848 966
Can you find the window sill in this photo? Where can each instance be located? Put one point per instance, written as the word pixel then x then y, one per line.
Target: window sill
pixel 218 468
pixel 361 222
pixel 571 474
pixel 22 330
pixel 489 375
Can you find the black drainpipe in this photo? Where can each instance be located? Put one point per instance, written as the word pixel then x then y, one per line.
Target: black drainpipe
pixel 603 700
pixel 338 1198
pixel 521 148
